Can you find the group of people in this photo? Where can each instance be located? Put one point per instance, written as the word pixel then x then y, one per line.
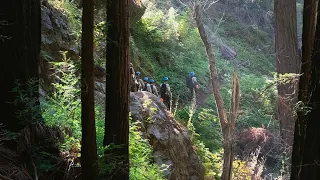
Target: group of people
pixel 146 84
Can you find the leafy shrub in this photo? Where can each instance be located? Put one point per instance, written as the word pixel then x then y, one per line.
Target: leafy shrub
pixel 142 166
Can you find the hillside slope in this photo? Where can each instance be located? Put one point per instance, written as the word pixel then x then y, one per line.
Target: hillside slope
pixel 166 42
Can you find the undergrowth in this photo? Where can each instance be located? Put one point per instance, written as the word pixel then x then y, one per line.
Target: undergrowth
pixel 63 109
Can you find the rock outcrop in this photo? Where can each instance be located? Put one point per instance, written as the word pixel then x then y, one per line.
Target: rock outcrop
pixel 136 10
pixel 171 144
pixel 56 36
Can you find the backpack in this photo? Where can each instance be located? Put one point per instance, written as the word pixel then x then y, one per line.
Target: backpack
pixel 163 89
pixel 151 85
pixel 189 82
pixel 145 88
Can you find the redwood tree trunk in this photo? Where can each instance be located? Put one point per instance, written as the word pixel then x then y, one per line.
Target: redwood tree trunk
pixel 311 158
pixel 117 89
pixel 20 36
pixel 305 148
pixel 89 157
pixel 287 60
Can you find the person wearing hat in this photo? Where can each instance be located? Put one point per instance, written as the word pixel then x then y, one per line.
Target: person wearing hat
pixel 133 82
pixel 139 81
pixel 153 87
pixel 165 92
pixel 146 85
pixel 192 83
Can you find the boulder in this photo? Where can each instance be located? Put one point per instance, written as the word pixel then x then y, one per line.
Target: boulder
pixel 136 10
pixel 171 145
pixel 55 33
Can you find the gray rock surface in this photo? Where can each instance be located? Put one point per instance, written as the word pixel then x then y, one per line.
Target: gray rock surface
pixel 171 145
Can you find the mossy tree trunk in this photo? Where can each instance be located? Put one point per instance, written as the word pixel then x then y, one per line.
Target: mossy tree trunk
pixel 20 38
pixel 227 123
pixel 89 157
pixel 287 61
pixel 117 88
pixel 305 155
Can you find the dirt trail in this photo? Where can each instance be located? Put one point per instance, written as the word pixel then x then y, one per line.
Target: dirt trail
pixel 201 97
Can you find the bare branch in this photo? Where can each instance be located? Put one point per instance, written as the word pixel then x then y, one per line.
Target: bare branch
pixel 213 2
pixel 219 23
pixel 183 3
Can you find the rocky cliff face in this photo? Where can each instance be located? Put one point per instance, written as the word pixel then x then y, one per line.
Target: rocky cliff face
pixel 171 144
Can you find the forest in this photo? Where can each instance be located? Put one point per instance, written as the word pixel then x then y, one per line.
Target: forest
pixel 159 89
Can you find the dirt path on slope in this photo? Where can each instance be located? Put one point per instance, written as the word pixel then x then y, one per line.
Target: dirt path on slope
pixel 201 97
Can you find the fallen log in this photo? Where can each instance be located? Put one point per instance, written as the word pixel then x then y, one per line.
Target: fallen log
pixel 227 52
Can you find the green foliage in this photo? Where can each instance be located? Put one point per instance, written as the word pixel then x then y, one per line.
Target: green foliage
pixel 28 99
pixel 45 161
pixel 113 159
pixel 141 165
pixel 258 99
pixel 240 171
pixel 207 124
pixel 165 42
pixel 211 161
pixel 286 78
pixel 155 55
pixel 302 108
pixel 63 108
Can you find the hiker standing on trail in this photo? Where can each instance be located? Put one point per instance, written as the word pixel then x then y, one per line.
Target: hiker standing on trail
pixel 165 92
pixel 139 82
pixel 153 87
pixel 192 83
pixel 146 86
pixel 133 82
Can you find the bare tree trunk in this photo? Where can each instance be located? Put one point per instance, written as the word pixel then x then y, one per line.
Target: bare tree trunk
pixel 20 40
pixel 117 89
pixel 287 60
pixel 227 125
pixel 89 157
pixel 306 90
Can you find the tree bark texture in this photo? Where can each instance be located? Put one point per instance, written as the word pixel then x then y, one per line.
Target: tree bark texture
pixel 305 151
pixel 89 157
pixel 117 85
pixel 20 38
pixel 287 60
pixel 227 125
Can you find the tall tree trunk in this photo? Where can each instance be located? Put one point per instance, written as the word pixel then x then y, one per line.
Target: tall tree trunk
pixel 310 159
pixel 20 38
pixel 117 89
pixel 306 123
pixel 287 60
pixel 227 125
pixel 89 157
